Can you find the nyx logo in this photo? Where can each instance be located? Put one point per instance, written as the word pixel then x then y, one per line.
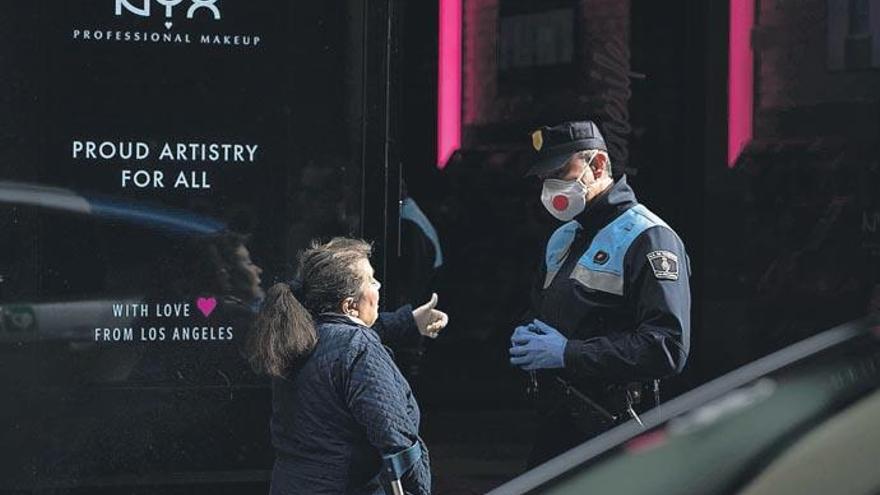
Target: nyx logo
pixel 170 5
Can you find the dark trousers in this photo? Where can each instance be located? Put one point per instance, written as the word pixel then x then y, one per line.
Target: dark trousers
pixel 559 432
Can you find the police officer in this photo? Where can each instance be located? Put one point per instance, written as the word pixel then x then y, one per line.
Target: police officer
pixel 610 311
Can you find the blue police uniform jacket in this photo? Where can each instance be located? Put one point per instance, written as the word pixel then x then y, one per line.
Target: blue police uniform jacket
pixel 615 283
pixel 339 411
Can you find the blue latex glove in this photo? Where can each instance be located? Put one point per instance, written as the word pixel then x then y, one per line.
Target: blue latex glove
pixel 537 346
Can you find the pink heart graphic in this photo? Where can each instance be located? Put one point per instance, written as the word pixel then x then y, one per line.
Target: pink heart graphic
pixel 206 305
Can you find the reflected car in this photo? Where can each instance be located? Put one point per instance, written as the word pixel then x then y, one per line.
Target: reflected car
pixel 120 350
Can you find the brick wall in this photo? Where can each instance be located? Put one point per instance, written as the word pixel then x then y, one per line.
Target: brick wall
pixel 805 257
pixel 603 22
pixel 796 94
pixel 478 46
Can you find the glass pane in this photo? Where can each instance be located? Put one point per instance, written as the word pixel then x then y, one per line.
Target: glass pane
pixel 159 163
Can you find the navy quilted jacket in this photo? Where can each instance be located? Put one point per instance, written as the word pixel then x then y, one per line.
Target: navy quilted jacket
pixel 340 410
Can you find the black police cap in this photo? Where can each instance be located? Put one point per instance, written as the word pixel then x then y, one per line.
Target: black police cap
pixel 554 145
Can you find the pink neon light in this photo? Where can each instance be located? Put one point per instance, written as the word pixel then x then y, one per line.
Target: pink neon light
pixel 740 84
pixel 449 81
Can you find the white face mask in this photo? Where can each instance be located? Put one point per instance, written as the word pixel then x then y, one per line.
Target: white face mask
pixel 565 199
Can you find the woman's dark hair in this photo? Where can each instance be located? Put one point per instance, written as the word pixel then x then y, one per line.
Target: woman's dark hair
pixel 284 329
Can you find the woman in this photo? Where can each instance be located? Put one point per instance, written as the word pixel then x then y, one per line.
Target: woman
pixel 339 404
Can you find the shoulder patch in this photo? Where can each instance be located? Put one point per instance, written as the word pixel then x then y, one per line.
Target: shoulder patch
pixel 664 264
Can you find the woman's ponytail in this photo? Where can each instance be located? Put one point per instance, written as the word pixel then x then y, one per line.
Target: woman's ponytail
pixel 283 332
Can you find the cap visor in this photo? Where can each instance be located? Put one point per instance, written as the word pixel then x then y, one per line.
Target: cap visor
pixel 548 165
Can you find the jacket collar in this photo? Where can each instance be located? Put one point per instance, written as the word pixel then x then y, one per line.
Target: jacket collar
pixel 607 206
pixel 334 318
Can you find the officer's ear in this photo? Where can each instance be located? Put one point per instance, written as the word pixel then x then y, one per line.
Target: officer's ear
pixel 599 165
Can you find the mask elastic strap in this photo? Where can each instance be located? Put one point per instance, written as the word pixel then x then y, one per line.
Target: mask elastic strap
pixel 588 167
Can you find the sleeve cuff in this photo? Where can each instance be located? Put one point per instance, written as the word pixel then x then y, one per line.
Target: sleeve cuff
pixel 407 321
pixel 579 357
pixel 570 353
pixel 399 326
